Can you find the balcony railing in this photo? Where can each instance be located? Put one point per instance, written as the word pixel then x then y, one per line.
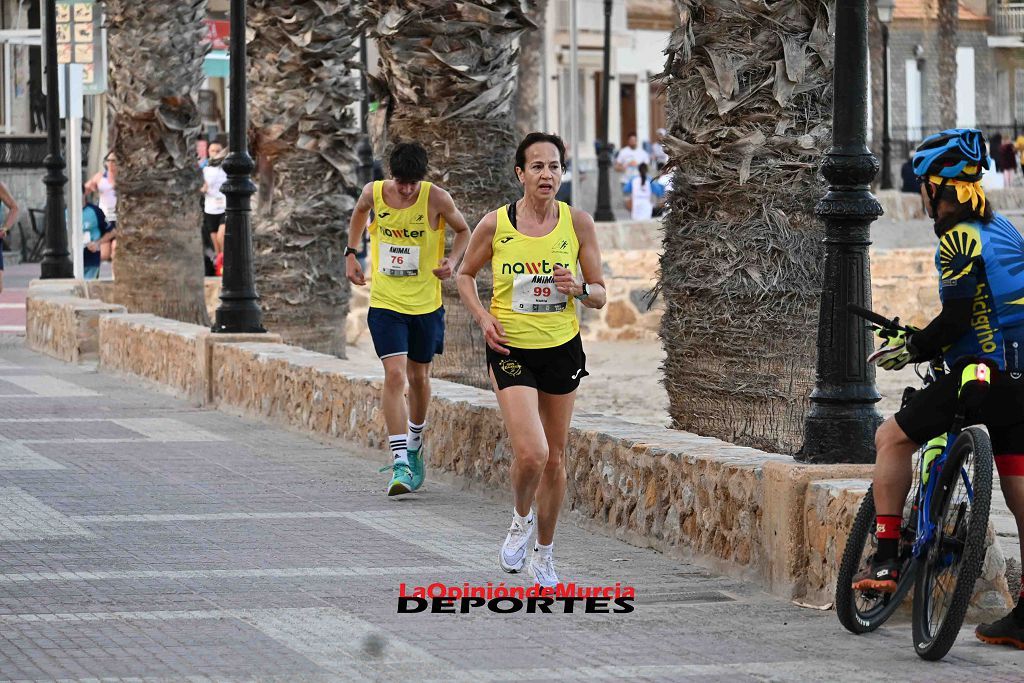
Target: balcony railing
pixel 1010 18
pixel 29 151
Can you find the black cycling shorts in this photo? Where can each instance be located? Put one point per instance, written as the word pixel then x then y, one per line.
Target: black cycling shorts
pixel 555 370
pixel 930 412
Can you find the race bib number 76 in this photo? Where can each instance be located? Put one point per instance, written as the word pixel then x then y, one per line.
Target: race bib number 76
pixel 399 261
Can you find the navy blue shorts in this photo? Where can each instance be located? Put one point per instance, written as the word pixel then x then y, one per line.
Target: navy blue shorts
pixel 419 337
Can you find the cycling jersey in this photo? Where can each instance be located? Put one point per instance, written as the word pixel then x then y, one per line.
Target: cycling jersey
pixel 983 262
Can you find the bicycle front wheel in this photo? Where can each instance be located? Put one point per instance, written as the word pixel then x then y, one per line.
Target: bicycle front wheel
pixel 864 611
pixel 946 576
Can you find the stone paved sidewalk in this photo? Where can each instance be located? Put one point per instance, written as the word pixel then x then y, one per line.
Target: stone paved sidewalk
pixel 144 539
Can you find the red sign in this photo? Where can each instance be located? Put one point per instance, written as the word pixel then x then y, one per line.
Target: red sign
pixel 217 32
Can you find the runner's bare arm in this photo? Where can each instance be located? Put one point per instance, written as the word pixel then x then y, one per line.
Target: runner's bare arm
pixel 459 225
pixel 356 227
pixel 453 217
pixel 12 208
pixel 590 258
pixel 360 216
pixel 478 254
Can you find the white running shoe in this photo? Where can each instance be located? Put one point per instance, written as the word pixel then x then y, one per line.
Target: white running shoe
pixel 542 569
pixel 512 557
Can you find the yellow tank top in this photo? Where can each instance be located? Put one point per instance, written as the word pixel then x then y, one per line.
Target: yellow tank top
pixel 534 314
pixel 404 250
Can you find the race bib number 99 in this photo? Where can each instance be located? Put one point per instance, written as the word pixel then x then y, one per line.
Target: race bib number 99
pixel 537 294
pixel 399 261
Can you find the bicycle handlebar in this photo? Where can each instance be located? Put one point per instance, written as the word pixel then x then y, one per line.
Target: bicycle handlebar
pixel 875 318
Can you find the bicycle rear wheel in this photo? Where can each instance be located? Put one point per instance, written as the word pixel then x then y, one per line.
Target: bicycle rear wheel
pixel 862 611
pixel 946 576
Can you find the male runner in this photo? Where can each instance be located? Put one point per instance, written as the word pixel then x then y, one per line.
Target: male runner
pixel 406 318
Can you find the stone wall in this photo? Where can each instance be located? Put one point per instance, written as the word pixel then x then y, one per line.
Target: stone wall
pixel 904 284
pixel 742 510
pixel 63 325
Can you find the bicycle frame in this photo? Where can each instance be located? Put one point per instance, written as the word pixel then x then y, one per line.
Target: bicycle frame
pixel 926 525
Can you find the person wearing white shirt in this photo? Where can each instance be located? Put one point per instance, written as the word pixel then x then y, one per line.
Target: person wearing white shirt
pixel 628 160
pixel 643 193
pixel 214 201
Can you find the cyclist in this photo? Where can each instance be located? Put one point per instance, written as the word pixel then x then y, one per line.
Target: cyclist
pixel 406 318
pixel 980 262
pixel 545 261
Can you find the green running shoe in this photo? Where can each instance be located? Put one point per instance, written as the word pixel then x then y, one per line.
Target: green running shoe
pixel 401 479
pixel 417 466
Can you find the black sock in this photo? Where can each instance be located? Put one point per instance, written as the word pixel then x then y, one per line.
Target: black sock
pixel 888 549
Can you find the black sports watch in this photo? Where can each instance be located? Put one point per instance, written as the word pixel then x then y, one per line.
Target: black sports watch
pixel 350 250
pixel 584 293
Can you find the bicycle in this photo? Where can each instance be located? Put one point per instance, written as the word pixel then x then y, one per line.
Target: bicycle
pixel 945 521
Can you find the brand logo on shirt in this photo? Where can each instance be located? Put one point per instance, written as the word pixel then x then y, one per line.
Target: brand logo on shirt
pixel 383 214
pixel 506 240
pixel 419 218
pixel 980 320
pixel 400 232
pixel 530 267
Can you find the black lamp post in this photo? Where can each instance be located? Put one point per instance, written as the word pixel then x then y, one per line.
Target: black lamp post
pixel 56 259
pixel 841 423
pixel 604 157
pixel 885 9
pixel 239 310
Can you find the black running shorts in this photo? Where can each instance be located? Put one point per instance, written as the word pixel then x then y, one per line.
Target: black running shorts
pixel 555 370
pixel 930 412
pixel 212 222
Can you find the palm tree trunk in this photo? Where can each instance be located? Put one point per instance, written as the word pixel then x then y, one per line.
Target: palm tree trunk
pixel 449 74
pixel 946 63
pixel 529 90
pixel 300 87
pixel 749 91
pixel 156 67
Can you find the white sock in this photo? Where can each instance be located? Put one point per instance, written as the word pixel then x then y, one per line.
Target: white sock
pixel 415 435
pixel 523 520
pixel 543 550
pixel 398 448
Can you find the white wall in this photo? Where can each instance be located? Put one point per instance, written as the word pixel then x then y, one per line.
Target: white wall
pixel 640 53
pixel 913 85
pixel 966 112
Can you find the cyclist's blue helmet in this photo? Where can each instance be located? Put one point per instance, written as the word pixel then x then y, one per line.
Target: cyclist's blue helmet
pixel 954 154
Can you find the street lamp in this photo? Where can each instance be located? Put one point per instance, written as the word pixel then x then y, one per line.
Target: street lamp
pixel 885 9
pixel 239 310
pixel 56 259
pixel 604 157
pixel 841 423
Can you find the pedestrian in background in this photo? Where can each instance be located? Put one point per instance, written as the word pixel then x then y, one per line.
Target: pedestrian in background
pixel 214 205
pixel 9 213
pixel 104 184
pixel 642 195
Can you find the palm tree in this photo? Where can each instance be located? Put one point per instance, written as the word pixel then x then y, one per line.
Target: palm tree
pixel 529 98
pixel 449 77
pixel 949 23
pixel 301 60
pixel 156 68
pixel 749 93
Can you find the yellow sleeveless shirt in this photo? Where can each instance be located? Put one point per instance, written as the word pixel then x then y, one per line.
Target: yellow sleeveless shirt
pixel 534 314
pixel 404 250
